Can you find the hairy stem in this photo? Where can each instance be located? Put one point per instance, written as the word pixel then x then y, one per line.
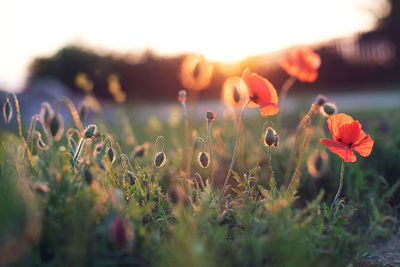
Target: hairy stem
pixel 236 146
pixel 211 153
pixel 72 110
pixel 340 185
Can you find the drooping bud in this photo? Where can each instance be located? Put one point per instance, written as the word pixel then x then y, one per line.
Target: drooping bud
pixel 210 116
pixel 320 100
pixel 271 137
pixel 111 155
pixel 203 159
pixel 7 111
pixel 329 109
pixel 140 151
pixel 97 149
pixel 56 126
pixel 130 177
pixel 182 95
pixel 90 131
pixel 41 145
pixel 160 159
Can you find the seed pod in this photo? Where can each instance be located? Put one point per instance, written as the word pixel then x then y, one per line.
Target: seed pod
pixel 130 177
pixel 320 100
pixel 139 152
pixel 56 126
pixel 203 159
pixel 90 131
pixel 110 153
pixel 328 109
pixel 87 175
pixel 7 111
pixel 160 159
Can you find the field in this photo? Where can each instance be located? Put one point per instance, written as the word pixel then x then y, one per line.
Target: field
pixel 128 191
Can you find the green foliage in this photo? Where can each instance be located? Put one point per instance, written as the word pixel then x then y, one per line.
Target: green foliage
pixel 93 209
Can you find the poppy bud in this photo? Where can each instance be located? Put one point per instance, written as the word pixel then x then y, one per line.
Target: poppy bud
pixel 87 175
pixel 320 100
pixel 41 145
pixel 56 126
pixel 203 159
pixel 139 152
pixel 182 95
pixel 328 109
pixel 90 131
pixel 160 160
pixel 7 111
pixel 210 116
pixel 110 153
pixel 271 137
pixel 130 177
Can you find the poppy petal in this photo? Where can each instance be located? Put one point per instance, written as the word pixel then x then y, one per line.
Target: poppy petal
pixel 261 91
pixel 339 149
pixel 336 121
pixel 349 132
pixel 269 110
pixel 363 146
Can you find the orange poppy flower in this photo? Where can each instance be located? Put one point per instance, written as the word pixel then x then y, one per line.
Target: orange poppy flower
pixel 195 73
pixel 302 63
pixel 261 92
pixel 234 92
pixel 347 136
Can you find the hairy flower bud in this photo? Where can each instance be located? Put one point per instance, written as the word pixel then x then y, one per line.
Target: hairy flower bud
pixel 90 131
pixel 329 109
pixel 320 100
pixel 160 159
pixel 111 155
pixel 271 137
pixel 7 111
pixel 56 127
pixel 130 177
pixel 210 116
pixel 203 159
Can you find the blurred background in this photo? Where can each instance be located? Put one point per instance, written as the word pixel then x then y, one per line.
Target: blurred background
pixel 48 47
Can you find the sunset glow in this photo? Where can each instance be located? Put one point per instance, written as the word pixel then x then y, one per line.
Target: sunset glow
pixel 220 30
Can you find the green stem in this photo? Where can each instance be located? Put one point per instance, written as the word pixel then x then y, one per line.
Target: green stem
pixel 340 185
pixel 211 153
pixel 236 146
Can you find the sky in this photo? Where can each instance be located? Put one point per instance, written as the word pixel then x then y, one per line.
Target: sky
pixel 222 30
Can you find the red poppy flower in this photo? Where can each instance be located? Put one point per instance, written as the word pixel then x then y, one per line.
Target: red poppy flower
pixel 347 136
pixel 302 63
pixel 261 92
